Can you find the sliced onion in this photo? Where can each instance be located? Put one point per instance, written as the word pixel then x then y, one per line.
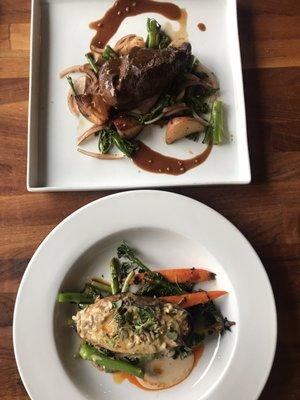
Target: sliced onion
pixel 71 70
pixel 174 109
pixel 154 120
pixel 80 85
pixel 90 73
pixel 211 76
pixel 196 116
pixel 192 80
pixel 99 155
pixel 73 107
pixel 88 133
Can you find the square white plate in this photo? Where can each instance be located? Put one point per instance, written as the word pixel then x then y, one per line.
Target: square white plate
pixel 61 37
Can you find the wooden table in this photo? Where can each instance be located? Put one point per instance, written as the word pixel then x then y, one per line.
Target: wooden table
pixel 266 211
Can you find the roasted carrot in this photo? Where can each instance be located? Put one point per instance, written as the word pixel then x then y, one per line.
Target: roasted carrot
pixel 187 275
pixel 184 275
pixel 192 299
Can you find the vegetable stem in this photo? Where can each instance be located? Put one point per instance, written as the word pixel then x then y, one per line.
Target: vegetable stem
pixel 92 63
pixel 74 297
pixel 71 83
pixel 125 251
pixel 109 53
pixel 101 286
pixel 153 28
pixel 115 272
pixel 127 281
pixel 89 353
pixel 125 146
pixel 215 131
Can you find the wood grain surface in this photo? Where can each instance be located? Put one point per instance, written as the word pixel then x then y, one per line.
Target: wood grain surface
pixel 267 211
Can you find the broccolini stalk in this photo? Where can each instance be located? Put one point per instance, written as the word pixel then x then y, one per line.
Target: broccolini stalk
pixel 78 298
pixel 105 140
pixel 92 63
pixel 125 146
pixel 153 28
pixel 109 53
pixel 215 131
pixel 115 272
pixel 109 136
pixel 127 252
pixel 89 353
pixel 127 281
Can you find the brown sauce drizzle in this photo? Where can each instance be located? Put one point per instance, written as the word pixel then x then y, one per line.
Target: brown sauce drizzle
pixel 152 161
pixel 202 27
pixel 107 26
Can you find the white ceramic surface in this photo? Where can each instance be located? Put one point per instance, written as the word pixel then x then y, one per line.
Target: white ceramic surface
pixel 169 230
pixel 60 38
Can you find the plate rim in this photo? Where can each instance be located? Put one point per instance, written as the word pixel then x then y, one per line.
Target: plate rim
pixel 73 215
pixel 33 183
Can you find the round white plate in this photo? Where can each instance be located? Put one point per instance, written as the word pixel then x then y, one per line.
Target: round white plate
pixel 168 230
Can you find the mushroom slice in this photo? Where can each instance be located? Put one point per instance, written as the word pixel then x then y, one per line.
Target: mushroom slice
pixel 165 372
pixel 93 108
pixel 127 126
pixel 180 127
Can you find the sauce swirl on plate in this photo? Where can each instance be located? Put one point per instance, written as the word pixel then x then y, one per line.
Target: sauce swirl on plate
pixel 152 161
pixel 107 26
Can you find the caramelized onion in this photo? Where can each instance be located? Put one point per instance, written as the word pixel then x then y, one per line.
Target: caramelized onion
pixel 91 131
pixel 99 155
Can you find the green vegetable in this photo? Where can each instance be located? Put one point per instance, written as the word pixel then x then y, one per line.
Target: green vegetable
pixel 114 272
pixel 153 28
pixel 101 286
pixel 158 288
pixel 92 63
pixel 172 335
pixel 89 353
pixel 109 53
pixel 91 290
pixel 182 352
pixel 164 40
pixel 108 137
pixel 127 281
pixel 124 145
pixel 75 297
pixel 145 320
pixel 165 100
pixel 70 80
pixel 117 304
pixel 105 141
pixel 157 38
pixel 207 320
pixel 214 133
pixel 128 253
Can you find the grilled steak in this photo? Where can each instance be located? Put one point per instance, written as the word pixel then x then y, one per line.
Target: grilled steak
pixel 128 80
pixel 131 324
